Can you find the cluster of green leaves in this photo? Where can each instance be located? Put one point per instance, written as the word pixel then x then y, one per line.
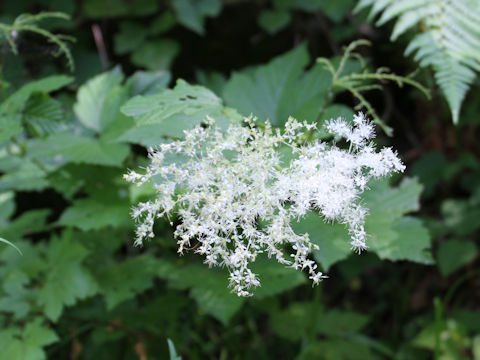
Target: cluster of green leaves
pixel 80 289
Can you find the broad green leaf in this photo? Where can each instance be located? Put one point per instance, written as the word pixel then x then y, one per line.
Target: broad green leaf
pixel 156 55
pixel 65 148
pixel 90 214
pixel 27 343
pixel 67 280
pixel 192 13
pixel 390 234
pixel 453 254
pixel 280 89
pixel 28 223
pixel 274 21
pixel 170 112
pixel 332 239
pixel 99 100
pixel 7 206
pixel 10 125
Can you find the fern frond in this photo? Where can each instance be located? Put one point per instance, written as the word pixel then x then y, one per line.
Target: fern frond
pixel 28 22
pixel 449 41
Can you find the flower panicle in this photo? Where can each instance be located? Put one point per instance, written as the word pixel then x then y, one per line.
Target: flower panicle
pixel 224 183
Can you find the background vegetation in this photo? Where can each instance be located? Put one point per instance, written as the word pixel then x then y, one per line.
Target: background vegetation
pixel 72 122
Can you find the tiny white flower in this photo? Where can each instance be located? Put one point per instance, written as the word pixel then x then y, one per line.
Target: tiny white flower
pixel 231 180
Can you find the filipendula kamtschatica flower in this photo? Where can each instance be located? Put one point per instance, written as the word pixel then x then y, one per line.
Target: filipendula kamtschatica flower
pixel 224 183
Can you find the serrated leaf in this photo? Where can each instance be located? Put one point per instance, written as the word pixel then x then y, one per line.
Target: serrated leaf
pixel 67 280
pixel 99 100
pixel 280 89
pixel 27 177
pixel 390 234
pixel 43 115
pixel 148 82
pixel 27 343
pixel 172 111
pixel 69 148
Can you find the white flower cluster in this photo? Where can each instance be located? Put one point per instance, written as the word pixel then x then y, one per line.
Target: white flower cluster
pixel 224 184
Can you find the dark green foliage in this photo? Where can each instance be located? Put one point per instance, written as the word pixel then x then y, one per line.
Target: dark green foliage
pixel 72 285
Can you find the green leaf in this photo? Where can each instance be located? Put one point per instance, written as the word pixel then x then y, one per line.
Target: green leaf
pixel 129 37
pixel 156 54
pixel 27 343
pixel 120 281
pixel 67 280
pixel 453 254
pixel 69 148
pixel 114 8
pixel 27 177
pixel 99 100
pixel 390 234
pixel 192 13
pixel 171 112
pixel 16 102
pixel 209 287
pixel 91 214
pixel 332 239
pixel 148 82
pixel 162 23
pixel 274 21
pixel 275 278
pixel 280 89
pixel 43 115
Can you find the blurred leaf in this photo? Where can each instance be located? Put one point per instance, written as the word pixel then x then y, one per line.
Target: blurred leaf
pixel 67 280
pixel 2 240
pixel 430 170
pixel 337 10
pixel 129 37
pixel 120 281
pixel 207 286
pixel 43 114
pixel 27 177
pixel 69 148
pixel 274 21
pixel 162 23
pixel 460 216
pixel 453 254
pixel 113 8
pixel 91 214
pixel 27 343
pixel 99 100
pixel 156 54
pixel 148 82
pixel 275 278
pixel 192 13
pixel 17 101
